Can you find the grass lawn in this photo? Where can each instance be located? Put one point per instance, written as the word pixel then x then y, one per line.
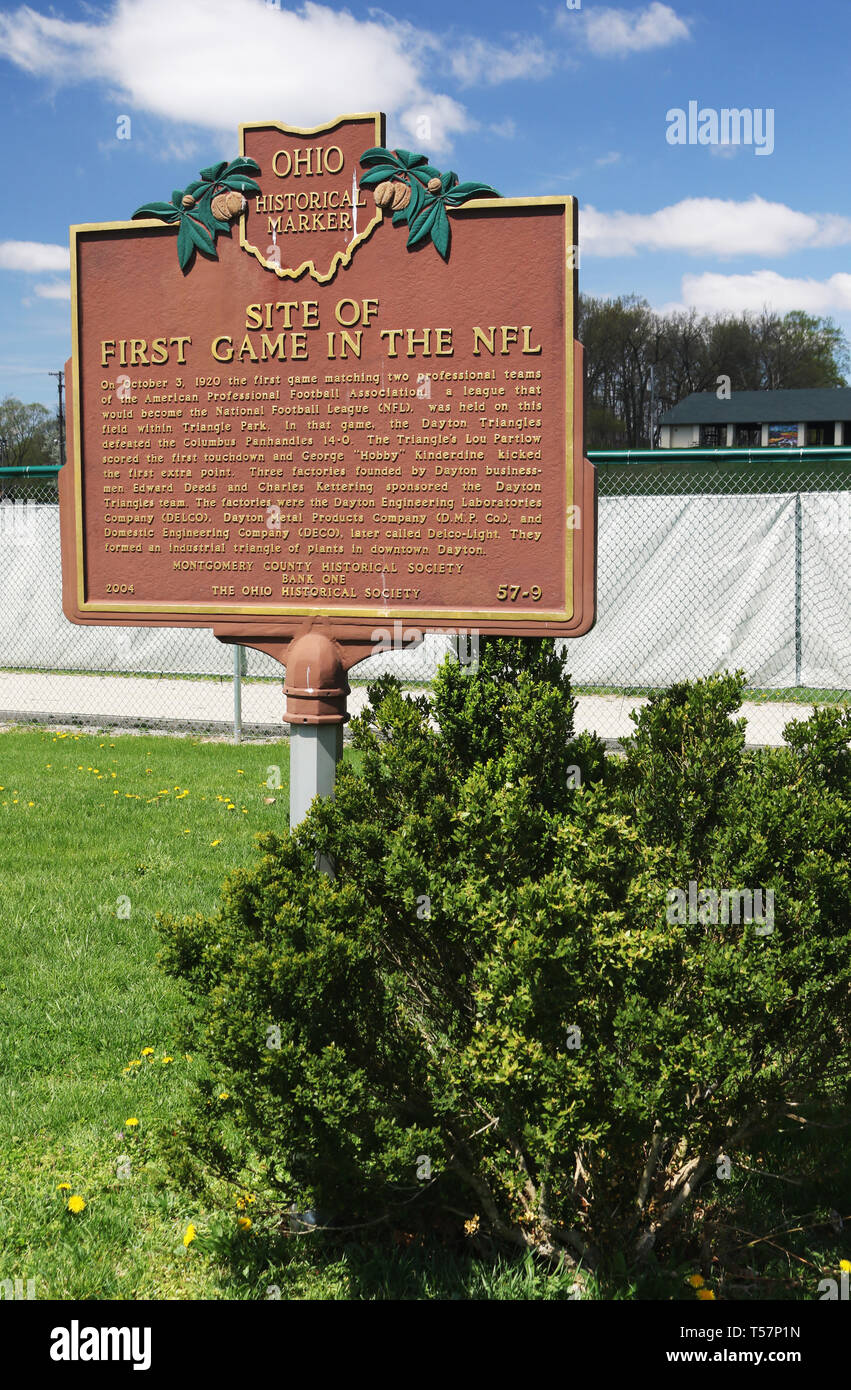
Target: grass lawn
pixel 94 829
pixel 98 834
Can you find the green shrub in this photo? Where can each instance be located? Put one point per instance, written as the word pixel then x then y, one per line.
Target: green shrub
pixel 496 1008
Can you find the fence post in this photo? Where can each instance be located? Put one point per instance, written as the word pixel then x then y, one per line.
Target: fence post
pixel 798 549
pixel 238 658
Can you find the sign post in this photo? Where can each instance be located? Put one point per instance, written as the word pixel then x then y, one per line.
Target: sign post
pixel 325 400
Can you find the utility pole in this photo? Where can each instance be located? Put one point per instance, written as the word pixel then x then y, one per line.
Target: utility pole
pixel 652 405
pixel 60 380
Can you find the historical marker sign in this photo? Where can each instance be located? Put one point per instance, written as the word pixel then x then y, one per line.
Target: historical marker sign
pixel 328 381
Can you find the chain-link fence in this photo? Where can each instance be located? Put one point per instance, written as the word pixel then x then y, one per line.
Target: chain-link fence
pixel 704 563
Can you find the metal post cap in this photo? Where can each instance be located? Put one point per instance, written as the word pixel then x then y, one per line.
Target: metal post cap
pixel 315 686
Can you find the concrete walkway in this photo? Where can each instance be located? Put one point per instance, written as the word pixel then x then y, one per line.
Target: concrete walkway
pixel 169 703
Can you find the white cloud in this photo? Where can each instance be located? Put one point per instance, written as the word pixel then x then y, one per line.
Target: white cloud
pixel 711 227
pixel 53 289
pixel 732 294
pixel 613 157
pixel 615 33
pixel 475 61
pixel 430 124
pixel 214 63
pixel 35 257
pixel 481 62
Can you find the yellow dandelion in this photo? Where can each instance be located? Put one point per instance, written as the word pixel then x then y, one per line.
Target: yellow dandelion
pixel 135 1062
pixel 213 843
pixel 696 1280
pixel 187 1056
pixel 30 803
pixel 75 1204
pixel 191 1233
pixel 846 1265
pixel 167 1059
pixel 147 1052
pixel 705 1295
pixel 244 1223
pixel 63 1187
pixel 132 1122
pixel 224 1095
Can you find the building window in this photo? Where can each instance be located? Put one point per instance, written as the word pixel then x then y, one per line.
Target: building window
pixel 820 433
pixel 713 436
pixel 748 436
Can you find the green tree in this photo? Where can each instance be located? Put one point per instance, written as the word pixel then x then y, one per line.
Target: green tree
pixel 28 434
pixel 624 339
pixel 491 1010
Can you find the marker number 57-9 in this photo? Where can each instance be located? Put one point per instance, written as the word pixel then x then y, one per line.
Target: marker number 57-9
pixel 515 591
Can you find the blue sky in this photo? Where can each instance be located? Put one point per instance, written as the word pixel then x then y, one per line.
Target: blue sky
pixel 533 99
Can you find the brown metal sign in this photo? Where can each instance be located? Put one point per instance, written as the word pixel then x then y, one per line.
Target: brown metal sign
pixel 328 383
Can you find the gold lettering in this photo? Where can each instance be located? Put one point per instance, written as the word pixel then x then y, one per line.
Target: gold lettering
pixel 246 349
pixel 392 335
pixel 480 335
pixel 227 356
pixel 271 349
